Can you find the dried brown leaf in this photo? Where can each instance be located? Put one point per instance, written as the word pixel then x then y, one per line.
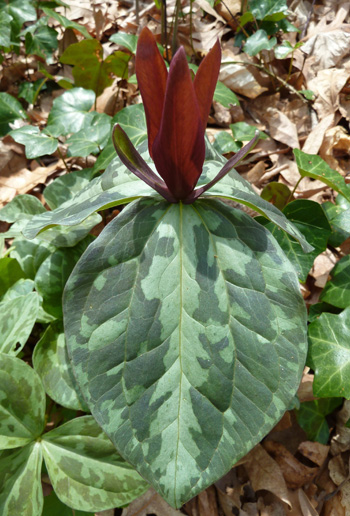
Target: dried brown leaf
pixel 315 138
pixel 314 451
pixel 150 503
pixel 335 149
pixel 282 128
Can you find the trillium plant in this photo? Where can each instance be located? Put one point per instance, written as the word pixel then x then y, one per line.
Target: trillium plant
pixel 184 321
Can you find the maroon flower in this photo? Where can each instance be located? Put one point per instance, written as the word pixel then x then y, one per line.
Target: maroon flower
pixel 177 110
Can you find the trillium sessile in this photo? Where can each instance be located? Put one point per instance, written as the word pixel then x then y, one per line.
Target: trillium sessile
pixel 177 110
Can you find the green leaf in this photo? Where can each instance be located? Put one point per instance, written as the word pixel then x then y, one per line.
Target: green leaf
pixel 65 23
pixel 133 122
pixel 224 143
pixel 30 254
pixel 10 110
pixel 187 337
pixel 51 362
pixel 85 470
pixel 282 51
pixel 123 39
pixel 21 10
pixel 36 143
pixel 63 188
pixel 313 166
pixel 234 187
pixel 53 274
pixel 92 138
pixel 54 507
pixel 257 42
pixel 337 290
pixel 20 479
pixel 308 94
pixel 5 29
pixel 10 272
pixel 29 91
pixel 262 9
pixel 339 218
pixel 17 318
pixel 244 132
pixel 20 206
pixel 312 418
pixel 22 403
pixel 90 70
pixel 277 194
pixel 309 218
pixel 329 354
pixel 70 111
pixel 43 43
pixel 22 287
pixel 62 236
pixel 318 308
pixel 225 96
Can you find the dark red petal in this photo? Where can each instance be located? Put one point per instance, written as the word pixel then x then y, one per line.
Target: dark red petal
pixel 225 169
pixel 206 79
pixel 151 75
pixel 179 149
pixel 136 164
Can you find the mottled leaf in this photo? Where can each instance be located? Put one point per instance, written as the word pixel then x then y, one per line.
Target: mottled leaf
pixel 30 254
pixel 17 318
pixel 51 362
pixel 92 138
pixel 22 287
pixel 186 330
pixel 20 480
pixel 36 143
pixel 65 187
pixel 21 206
pixel 22 403
pixel 312 418
pixel 329 354
pixel 85 470
pixel 54 507
pixel 337 290
pixel 313 166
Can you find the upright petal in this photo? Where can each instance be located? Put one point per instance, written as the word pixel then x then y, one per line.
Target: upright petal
pixel 179 149
pixel 151 75
pixel 206 79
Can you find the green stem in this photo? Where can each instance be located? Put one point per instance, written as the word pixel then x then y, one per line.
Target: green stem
pixel 293 191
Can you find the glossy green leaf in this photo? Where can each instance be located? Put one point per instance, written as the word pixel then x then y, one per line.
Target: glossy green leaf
pixel 5 29
pixel 20 480
pixel 282 51
pixel 187 337
pixel 262 9
pixel 317 309
pixel 123 39
pixel 53 274
pixel 42 42
pixel 310 219
pixel 312 418
pixel 329 354
pixel 234 187
pixel 65 23
pixel 313 166
pixel 21 10
pixel 277 194
pixel 51 362
pixel 10 272
pixel 65 187
pixel 70 111
pixel 54 507
pixel 85 470
pixel 339 218
pixel 90 70
pixel 337 290
pixel 90 139
pixel 17 318
pixel 224 143
pixel 22 403
pixel 259 41
pixel 10 110
pixel 36 143
pixel 244 132
pixel 21 206
pixel 225 96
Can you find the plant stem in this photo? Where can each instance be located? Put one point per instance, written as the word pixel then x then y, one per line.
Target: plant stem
pixel 293 191
pixel 175 26
pixel 62 158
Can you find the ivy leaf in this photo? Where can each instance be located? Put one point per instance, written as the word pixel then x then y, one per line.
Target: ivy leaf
pixel 277 194
pixel 262 9
pixel 224 143
pixel 244 132
pixel 92 138
pixel 339 218
pixel 282 51
pixel 259 41
pixel 22 403
pixel 165 326
pixel 64 22
pixel 42 42
pixel 225 96
pixel 20 480
pixel 85 470
pixel 10 110
pixel 21 10
pixel 329 354
pixel 17 318
pixel 51 362
pixel 70 111
pixel 312 418
pixel 5 29
pixel 36 143
pixel 123 39
pixel 310 219
pixel 313 166
pixel 90 70
pixel 337 290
